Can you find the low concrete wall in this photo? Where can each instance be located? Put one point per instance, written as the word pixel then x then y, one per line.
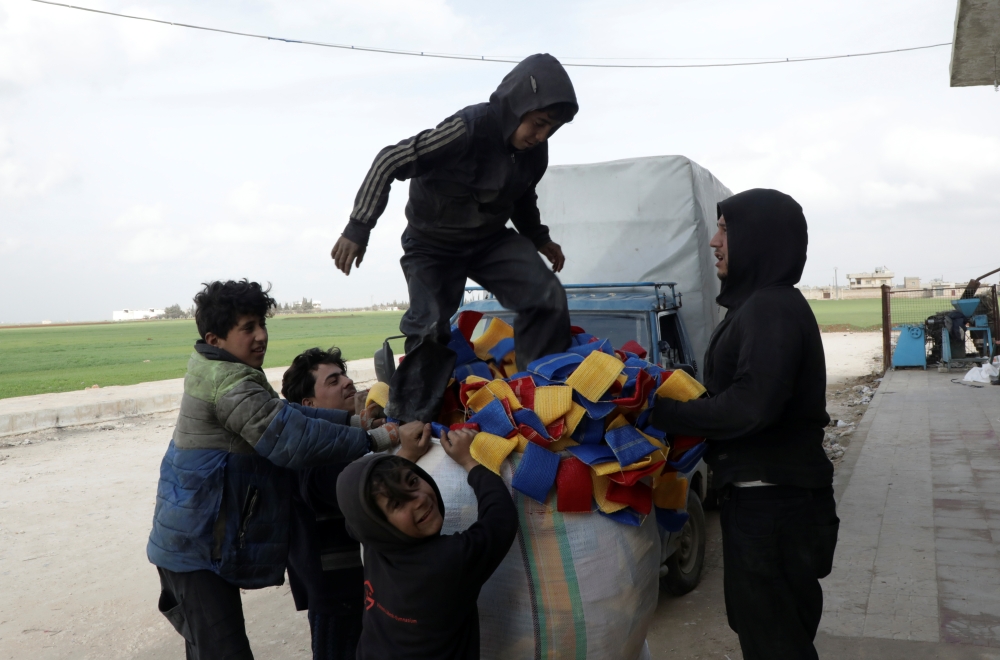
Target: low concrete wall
pixel 28 414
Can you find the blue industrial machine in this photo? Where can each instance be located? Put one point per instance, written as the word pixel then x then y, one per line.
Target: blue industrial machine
pixel 978 325
pixel 910 349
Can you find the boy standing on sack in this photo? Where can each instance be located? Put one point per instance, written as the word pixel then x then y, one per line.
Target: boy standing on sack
pixel 468 177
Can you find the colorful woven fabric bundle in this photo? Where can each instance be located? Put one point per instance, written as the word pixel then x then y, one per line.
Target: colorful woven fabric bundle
pixel 580 419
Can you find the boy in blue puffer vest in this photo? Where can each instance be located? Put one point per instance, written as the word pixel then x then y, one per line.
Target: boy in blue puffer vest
pixel 221 521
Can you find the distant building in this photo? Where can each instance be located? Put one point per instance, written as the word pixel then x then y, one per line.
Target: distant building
pixel 911 283
pixel 873 280
pixel 136 314
pixel 941 289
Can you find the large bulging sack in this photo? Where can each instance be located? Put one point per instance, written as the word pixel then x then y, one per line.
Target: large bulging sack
pixel 576 585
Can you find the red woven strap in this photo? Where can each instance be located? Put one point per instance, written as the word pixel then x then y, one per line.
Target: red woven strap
pixel 524 390
pixel 639 496
pixel 632 477
pixel 467 322
pixel 574 486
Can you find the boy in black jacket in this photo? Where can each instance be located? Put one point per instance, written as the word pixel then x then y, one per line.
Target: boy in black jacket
pixel 766 372
pixel 421 587
pixel 468 177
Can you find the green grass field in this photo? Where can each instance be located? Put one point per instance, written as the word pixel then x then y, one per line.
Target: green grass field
pixel 861 314
pixel 65 358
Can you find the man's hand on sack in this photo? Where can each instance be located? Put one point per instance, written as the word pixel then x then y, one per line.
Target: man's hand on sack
pixel 456 444
pixel 372 416
pixel 347 253
pixel 553 252
pixel 414 440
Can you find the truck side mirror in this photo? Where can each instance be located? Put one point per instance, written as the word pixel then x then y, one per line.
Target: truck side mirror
pixel 385 361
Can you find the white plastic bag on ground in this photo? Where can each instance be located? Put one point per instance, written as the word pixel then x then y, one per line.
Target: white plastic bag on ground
pixel 981 374
pixel 572 586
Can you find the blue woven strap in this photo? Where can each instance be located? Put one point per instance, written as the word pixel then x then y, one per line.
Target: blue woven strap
pixel 528 417
pixel 689 459
pixel 503 348
pixel 628 444
pixel 586 349
pixel 536 472
pixel 438 429
pixel 493 419
pixel 581 339
pixel 463 352
pixel 671 520
pixel 589 431
pixel 557 366
pixel 626 516
pixel 476 368
pixel 593 454
pixel 596 409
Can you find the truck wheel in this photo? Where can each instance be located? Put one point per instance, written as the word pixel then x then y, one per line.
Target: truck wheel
pixel 685 565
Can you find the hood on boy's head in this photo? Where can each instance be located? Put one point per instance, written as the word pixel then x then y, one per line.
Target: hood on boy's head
pixel 537 82
pixel 767 238
pixel 365 523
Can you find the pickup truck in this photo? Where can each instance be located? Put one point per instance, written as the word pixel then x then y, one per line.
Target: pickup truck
pixel 648 313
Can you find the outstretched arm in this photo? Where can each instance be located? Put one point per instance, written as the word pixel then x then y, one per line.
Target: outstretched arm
pixel 411 157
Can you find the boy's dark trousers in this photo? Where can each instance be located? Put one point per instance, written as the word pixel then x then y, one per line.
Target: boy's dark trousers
pixel 777 542
pixel 507 265
pixel 335 635
pixel 207 611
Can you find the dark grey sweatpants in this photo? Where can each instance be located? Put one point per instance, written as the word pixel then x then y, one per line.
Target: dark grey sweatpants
pixel 506 264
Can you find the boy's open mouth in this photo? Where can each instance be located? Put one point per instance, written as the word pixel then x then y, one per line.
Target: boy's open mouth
pixel 424 517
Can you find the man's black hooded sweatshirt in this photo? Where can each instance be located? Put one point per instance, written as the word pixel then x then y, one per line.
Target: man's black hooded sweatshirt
pixel 466 181
pixel 764 370
pixel 420 594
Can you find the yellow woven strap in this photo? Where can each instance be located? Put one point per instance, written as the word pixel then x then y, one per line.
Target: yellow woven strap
pixel 475 379
pixel 679 386
pixel 573 418
pixel 509 365
pixel 559 445
pixel 502 390
pixel 601 495
pixel 495 331
pixel 522 444
pixel 552 402
pixel 603 469
pixel 379 393
pixel 670 491
pixel 490 450
pixel 480 398
pixel 595 375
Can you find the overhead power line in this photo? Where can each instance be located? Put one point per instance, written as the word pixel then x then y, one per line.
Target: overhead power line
pixel 491 58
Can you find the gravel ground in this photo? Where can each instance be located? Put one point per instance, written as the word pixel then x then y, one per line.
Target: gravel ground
pixel 75 509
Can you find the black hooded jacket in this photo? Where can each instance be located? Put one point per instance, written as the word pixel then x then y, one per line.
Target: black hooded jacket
pixel 466 181
pixel 764 369
pixel 420 594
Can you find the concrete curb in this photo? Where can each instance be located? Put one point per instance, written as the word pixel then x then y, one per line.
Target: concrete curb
pixel 40 412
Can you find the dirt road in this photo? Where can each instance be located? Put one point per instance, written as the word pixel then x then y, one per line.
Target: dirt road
pixel 75 510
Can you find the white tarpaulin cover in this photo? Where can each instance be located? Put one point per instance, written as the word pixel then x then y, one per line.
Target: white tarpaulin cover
pixel 639 220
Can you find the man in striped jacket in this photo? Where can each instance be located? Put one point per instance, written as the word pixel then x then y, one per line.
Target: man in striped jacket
pixel 468 177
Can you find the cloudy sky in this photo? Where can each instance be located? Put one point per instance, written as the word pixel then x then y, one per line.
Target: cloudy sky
pixel 138 160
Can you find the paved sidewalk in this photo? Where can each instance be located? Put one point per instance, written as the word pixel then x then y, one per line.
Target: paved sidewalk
pixel 918 560
pixel 27 414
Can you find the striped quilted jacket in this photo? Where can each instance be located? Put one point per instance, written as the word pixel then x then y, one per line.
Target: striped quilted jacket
pixel 223 499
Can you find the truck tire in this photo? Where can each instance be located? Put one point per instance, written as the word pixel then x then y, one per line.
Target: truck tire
pixel 685 565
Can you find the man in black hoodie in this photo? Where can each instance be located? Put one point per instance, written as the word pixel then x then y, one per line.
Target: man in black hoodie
pixel 766 374
pixel 468 177
pixel 421 587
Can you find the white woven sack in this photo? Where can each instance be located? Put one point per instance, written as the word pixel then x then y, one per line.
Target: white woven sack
pixel 572 586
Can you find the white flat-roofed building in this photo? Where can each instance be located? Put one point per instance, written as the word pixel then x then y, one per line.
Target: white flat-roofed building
pixel 872 280
pixel 136 314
